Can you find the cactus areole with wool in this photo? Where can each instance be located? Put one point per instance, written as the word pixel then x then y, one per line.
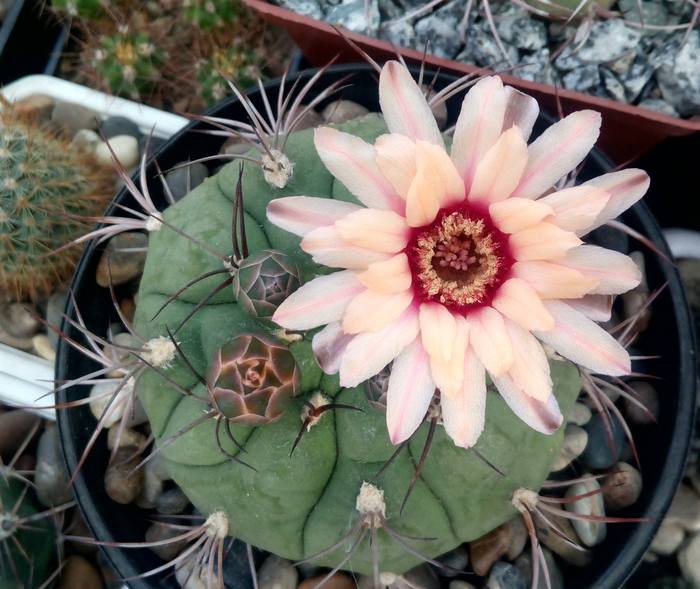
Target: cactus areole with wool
pixel 387 284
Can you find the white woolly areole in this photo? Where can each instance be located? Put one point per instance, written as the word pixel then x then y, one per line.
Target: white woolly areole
pixel 8 523
pixel 159 351
pixel 217 525
pixel 370 501
pixel 153 224
pixel 285 336
pixel 524 500
pixel 388 578
pixel 318 399
pixel 277 168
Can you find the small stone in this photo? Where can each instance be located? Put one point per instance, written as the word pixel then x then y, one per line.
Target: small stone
pixel 613 85
pixel 485 551
pixel 37 107
pixel 86 140
pixel 277 573
pixel 580 414
pixel 400 34
pixel 128 438
pixel 116 126
pixel 582 78
pixel 481 48
pixel 637 77
pixel 311 8
pixel 358 16
pixel 19 320
pixel 54 314
pixel 622 487
pixel 73 117
pixel 679 81
pixel 689 560
pixel 79 573
pixel 439 30
pixel 187 578
pixel 185 177
pixel 518 538
pixel 505 576
pixel 51 478
pixel 685 509
pixel 591 533
pixel 652 13
pixel 123 259
pixel 152 487
pixel 668 538
pixel 15 426
pixel 602 452
pixel 457 559
pixel 128 308
pixel 123 482
pixel 649 398
pixel 609 40
pixel 461 585
pixel 515 26
pixel 43 348
pixel 309 120
pixel 125 148
pixel 556 578
pixel 659 105
pixel 337 581
pixel 159 532
pixel 20 343
pixel 575 440
pixel 101 394
pixel 341 111
pixel 557 544
pixel 151 142
pixel 536 67
pixel 422 576
pixel 172 502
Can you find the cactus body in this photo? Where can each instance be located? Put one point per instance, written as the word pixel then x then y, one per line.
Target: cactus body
pixel 79 8
pixel 298 505
pixel 211 14
pixel 44 185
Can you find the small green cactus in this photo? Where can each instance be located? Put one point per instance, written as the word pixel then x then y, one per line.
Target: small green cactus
pixel 239 63
pixel 211 14
pixel 45 188
pixel 79 8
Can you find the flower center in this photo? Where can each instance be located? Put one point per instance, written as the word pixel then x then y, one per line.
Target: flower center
pixel 459 260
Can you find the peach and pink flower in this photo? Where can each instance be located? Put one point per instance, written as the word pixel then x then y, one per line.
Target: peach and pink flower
pixel 459 264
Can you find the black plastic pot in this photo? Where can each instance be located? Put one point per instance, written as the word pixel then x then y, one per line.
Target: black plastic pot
pixel 662 447
pixel 31 41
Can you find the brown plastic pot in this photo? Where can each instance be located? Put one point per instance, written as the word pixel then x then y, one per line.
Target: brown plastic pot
pixel 628 131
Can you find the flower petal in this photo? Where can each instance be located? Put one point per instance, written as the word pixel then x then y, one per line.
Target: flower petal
pixel 329 345
pixel 318 302
pixel 390 276
pixel 489 339
pixel 554 281
pixel 379 231
pixel 448 182
pixel 625 188
pixel 327 248
pixel 438 329
pixel 519 301
pixel 515 214
pixel 530 369
pixel 464 414
pixel 448 376
pixel 576 208
pixel 353 161
pixel 424 196
pixel 544 417
pixel 596 307
pixel 616 272
pixel 499 171
pixel 369 352
pixel 404 106
pixel 372 311
pixel 410 392
pixel 396 158
pixel 521 110
pixel 479 126
pixel 557 151
pixel 582 341
pixel 542 241
pixel 302 214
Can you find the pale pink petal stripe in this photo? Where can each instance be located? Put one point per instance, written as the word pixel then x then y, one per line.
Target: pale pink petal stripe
pixel 596 307
pixel 327 248
pixel 391 276
pixel 404 106
pixel 410 391
pixel 489 339
pixel 424 195
pixel 625 188
pixel 576 208
pixel 438 329
pixel 582 341
pixel 554 281
pixel 544 417
pixel 519 301
pixel 557 151
pixel 353 161
pixel 478 127
pixel 318 302
pixel 464 415
pixel 530 369
pixel 542 241
pixel 328 346
pixel 448 375
pixel 372 311
pixel 521 110
pixel 515 214
pixel 448 182
pixel 616 272
pixel 369 352
pixel 396 158
pixel 379 231
pixel 301 214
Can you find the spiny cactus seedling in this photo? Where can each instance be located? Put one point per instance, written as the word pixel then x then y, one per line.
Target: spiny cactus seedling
pixel 399 400
pixel 45 189
pixel 211 14
pixel 79 8
pixel 239 62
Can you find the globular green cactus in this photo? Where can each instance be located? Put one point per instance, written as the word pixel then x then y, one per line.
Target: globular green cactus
pixel 45 187
pixel 211 14
pixel 296 504
pixel 239 63
pixel 79 8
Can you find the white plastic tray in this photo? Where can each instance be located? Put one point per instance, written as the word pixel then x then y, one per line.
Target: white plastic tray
pixel 24 377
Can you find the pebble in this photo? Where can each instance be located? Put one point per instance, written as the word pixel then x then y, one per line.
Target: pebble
pixel 122 483
pixel 310 120
pixel 556 578
pixel 128 438
pixel 152 487
pixel 73 117
pixel 659 105
pixel 126 150
pixel 116 126
pixel 358 16
pixel 580 414
pixel 457 559
pixel 19 320
pixel 609 40
pixel 485 551
pixel 100 394
pixel 575 440
pixel 685 509
pixel 461 585
pixel 15 425
pixel 337 581
pixel 23 343
pixel 188 580
pixel 310 8
pixel 79 573
pixel 518 538
pixel 647 395
pixel 54 314
pixel 277 573
pixel 438 29
pixel 157 533
pixel 517 28
pixel 341 111
pixel 689 560
pixel 152 142
pixel 236 565
pixel 505 576
pixel 668 538
pixel 679 80
pixel 559 545
pixel 37 106
pixel 86 140
pixel 43 348
pixel 422 576
pixel 51 478
pixel 172 502
pixel 622 487
pixel 600 453
pixel 77 527
pixel 591 533
pixel 128 308
pixel 127 256
pixel 182 180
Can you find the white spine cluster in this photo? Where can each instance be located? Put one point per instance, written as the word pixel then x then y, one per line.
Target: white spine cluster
pixel 159 352
pixel 370 504
pixel 217 525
